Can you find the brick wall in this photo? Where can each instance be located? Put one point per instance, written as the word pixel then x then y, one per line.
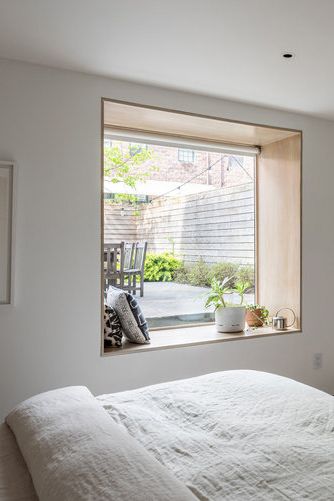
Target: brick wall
pixel 225 170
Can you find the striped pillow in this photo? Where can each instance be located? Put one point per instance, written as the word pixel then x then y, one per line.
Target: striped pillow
pixel 138 314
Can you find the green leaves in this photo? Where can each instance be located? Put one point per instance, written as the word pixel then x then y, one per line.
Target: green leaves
pixel 121 164
pixel 201 274
pixel 216 294
pixel 263 311
pixel 161 267
pixel 241 288
pixel 220 288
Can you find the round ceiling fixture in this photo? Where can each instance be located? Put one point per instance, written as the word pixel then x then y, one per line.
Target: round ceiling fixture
pixel 288 55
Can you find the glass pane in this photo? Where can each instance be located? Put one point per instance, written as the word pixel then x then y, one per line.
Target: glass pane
pixel 197 217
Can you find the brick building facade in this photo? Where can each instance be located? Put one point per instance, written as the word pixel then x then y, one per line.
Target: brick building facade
pixel 181 165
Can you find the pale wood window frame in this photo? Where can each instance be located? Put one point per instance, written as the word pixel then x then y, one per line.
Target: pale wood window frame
pixel 278 260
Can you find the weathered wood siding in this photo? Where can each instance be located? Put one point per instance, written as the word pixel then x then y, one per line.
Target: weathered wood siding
pixel 216 225
pixel 119 225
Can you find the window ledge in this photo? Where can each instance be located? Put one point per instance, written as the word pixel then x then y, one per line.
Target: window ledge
pixel 192 336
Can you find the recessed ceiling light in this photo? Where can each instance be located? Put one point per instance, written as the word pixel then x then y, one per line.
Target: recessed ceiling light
pixel 288 55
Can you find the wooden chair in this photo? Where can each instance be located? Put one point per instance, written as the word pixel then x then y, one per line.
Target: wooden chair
pixel 138 269
pixel 123 262
pixel 112 259
pixel 126 264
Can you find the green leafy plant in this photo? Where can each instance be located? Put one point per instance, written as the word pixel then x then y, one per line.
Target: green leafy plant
pixel 246 274
pixel 121 165
pixel 161 267
pixel 201 274
pixel 260 311
pixel 216 295
pixel 219 271
pixel 241 288
pixel 198 274
pixel 181 274
pixel 219 288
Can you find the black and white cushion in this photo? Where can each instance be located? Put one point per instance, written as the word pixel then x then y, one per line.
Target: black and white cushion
pixel 112 328
pixel 118 300
pixel 138 314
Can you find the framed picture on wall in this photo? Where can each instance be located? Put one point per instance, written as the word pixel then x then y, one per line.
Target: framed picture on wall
pixel 6 231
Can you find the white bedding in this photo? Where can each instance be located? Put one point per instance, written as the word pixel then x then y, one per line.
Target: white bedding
pixel 75 452
pixel 15 481
pixel 236 435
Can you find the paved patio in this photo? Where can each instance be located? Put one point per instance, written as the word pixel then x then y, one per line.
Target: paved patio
pixel 183 302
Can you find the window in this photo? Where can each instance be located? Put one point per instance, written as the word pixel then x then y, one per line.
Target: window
pixel 107 141
pixel 135 148
pixel 199 220
pixel 187 219
pixel 186 156
pixel 235 161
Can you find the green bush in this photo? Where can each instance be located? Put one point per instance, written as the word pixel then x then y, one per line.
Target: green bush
pixel 201 274
pixel 181 274
pixel 219 271
pixel 161 267
pixel 246 274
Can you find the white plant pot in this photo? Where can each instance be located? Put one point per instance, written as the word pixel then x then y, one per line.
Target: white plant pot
pixel 230 318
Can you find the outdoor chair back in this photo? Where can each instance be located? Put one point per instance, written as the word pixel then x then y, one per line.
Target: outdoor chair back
pixel 112 260
pixel 127 263
pixel 140 255
pixel 123 263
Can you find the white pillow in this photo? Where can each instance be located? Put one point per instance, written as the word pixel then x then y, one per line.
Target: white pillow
pixel 75 452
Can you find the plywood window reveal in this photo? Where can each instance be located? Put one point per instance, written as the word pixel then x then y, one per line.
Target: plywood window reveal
pixel 279 225
pixel 236 203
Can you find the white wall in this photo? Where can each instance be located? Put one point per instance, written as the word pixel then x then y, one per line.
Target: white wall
pixel 50 125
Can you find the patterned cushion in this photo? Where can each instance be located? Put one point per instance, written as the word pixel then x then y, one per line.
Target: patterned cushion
pixel 112 328
pixel 117 299
pixel 138 314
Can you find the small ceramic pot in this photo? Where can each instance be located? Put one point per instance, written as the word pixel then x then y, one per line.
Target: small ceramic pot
pixel 230 318
pixel 253 318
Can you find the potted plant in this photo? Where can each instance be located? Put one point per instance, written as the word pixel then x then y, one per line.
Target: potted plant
pixel 256 315
pixel 228 317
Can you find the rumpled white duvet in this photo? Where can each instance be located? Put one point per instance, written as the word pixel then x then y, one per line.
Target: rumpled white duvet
pixel 236 435
pixel 75 452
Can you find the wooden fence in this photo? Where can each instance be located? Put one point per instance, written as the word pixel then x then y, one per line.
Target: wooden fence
pixel 217 225
pixel 119 224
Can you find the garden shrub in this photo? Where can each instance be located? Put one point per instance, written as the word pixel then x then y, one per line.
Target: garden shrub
pixel 246 274
pixel 161 267
pixel 181 274
pixel 219 271
pixel 199 274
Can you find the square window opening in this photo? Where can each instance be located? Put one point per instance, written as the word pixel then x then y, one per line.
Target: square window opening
pixel 198 225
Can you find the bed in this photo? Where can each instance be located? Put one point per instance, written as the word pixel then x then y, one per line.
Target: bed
pixel 234 435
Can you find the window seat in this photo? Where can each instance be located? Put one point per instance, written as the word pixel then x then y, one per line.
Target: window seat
pixel 192 336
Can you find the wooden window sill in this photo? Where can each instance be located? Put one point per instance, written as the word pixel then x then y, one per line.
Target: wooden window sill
pixel 191 336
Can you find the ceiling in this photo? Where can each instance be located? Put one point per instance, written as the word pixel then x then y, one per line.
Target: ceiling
pixel 226 48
